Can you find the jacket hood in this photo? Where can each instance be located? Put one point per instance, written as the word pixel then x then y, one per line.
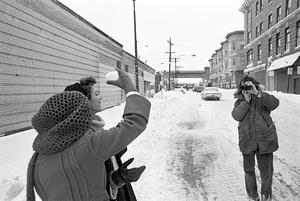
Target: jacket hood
pixel 238 93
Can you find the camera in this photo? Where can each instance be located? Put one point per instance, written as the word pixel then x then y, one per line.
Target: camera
pixel 245 87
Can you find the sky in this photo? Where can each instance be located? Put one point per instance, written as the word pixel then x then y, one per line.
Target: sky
pixel 194 26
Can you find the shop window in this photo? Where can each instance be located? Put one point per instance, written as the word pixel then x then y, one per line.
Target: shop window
pixel 287 39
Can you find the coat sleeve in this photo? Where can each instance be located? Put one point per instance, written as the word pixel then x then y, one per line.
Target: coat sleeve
pixel 240 110
pixel 135 118
pixel 269 101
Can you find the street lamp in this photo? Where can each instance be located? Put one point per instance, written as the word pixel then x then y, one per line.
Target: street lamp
pixel 136 53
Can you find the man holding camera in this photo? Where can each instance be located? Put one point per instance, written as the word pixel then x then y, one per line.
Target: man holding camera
pixel 257 135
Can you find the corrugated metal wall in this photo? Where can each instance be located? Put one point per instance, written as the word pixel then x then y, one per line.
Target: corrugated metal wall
pixel 43 48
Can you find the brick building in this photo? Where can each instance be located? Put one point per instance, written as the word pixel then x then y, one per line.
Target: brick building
pixel 227 63
pixel 272 43
pixel 235 57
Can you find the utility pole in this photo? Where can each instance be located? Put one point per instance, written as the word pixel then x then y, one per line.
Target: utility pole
pixel 136 53
pixel 170 57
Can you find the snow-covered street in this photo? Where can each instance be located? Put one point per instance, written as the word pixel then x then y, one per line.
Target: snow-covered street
pixel 189 148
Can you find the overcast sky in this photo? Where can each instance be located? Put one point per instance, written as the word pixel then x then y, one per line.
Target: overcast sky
pixel 195 26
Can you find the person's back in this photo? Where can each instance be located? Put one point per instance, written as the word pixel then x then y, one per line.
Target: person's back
pixel 69 159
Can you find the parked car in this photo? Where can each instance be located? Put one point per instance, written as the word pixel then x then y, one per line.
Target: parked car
pixel 198 89
pixel 211 93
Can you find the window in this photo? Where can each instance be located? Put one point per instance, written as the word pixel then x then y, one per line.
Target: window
pixel 278 43
pixel 259 52
pixel 298 34
pixel 256 8
pixel 241 47
pixel 298 3
pixel 260 5
pixel 249 36
pixel 278 17
pixel 126 68
pixel 233 61
pixel 249 25
pixel 261 26
pixel 270 47
pixel 249 56
pixel 249 19
pixel 287 39
pixel 256 31
pixel 233 46
pixel 270 21
pixel 288 8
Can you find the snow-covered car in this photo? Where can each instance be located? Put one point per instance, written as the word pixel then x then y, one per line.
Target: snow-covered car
pixel 211 93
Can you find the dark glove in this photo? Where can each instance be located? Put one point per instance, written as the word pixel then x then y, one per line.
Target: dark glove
pixel 124 81
pixel 121 153
pixel 124 175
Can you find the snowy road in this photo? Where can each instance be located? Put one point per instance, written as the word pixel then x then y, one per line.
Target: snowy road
pixel 191 152
pixel 189 148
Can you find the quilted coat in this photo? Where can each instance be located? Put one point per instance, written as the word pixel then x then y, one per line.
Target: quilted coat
pixel 256 128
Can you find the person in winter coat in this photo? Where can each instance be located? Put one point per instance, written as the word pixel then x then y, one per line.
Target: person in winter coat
pixel 118 176
pixel 257 135
pixel 69 159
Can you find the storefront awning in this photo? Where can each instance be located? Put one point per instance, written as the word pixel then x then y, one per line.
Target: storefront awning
pixel 284 61
pixel 256 68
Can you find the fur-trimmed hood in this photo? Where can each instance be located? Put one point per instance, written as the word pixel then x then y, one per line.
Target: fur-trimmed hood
pixel 238 92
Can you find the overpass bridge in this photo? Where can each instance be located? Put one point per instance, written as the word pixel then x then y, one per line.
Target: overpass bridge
pixel 187 74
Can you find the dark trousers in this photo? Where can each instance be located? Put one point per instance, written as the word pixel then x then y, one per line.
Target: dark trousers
pixel 265 166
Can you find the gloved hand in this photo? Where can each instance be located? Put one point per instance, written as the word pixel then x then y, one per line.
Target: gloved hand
pixel 124 81
pixel 124 175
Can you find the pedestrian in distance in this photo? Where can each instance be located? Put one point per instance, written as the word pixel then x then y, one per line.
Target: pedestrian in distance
pixel 257 135
pixel 69 159
pixel 118 176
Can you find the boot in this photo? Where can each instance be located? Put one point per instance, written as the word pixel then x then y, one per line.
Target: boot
pixel 254 199
pixel 264 198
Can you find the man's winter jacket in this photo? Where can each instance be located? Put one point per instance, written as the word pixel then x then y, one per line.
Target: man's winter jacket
pixel 256 128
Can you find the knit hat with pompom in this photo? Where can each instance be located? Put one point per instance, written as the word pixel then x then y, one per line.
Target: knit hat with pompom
pixel 60 121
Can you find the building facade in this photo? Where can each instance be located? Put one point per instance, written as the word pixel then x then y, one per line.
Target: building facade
pixel 235 58
pixel 272 43
pixel 45 46
pixel 227 63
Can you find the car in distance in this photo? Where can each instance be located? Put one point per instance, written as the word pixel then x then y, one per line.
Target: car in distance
pixel 198 89
pixel 211 93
